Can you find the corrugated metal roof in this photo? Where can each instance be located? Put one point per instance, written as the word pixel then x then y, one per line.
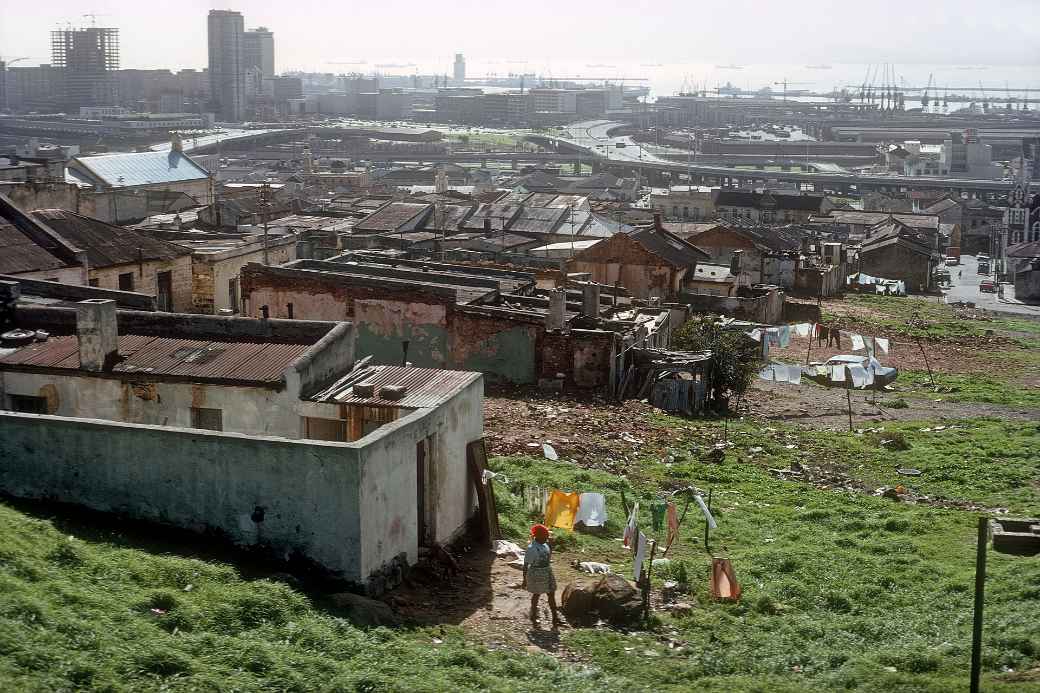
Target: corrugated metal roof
pixel 141 168
pixel 163 356
pixel 424 387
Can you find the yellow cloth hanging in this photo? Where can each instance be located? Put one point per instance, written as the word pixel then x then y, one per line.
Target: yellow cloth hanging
pixel 561 509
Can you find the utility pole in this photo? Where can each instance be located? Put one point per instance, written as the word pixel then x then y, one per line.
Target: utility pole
pixel 264 194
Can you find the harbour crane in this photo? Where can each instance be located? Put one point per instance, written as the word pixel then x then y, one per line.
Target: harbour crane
pixel 785 83
pixel 924 96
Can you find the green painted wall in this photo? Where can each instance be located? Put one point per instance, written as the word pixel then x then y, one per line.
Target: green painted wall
pixel 427 345
pixel 508 355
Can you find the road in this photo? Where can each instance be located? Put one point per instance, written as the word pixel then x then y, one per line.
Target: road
pixel 965 279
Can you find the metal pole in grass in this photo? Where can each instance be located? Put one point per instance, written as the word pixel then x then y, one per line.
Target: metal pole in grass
pixel 707 527
pixel 980 586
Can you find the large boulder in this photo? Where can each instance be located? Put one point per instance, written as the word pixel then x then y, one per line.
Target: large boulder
pixel 362 611
pixel 611 598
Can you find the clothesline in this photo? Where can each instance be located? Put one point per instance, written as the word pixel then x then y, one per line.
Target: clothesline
pixel 780 336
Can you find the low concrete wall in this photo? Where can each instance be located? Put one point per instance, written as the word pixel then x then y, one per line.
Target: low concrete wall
pixel 288 496
pixel 766 309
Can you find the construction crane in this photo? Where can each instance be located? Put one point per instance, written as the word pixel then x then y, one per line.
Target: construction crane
pixel 12 61
pixel 985 98
pixel 924 96
pixel 93 17
pixel 1010 106
pixel 785 83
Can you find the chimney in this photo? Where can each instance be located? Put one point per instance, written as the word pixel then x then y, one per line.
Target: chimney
pixel 556 318
pixel 97 334
pixel 176 144
pixel 590 299
pixel 736 262
pixel 487 225
pixel 657 221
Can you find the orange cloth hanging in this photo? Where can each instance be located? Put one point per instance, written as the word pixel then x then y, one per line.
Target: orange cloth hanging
pixel 672 521
pixel 561 509
pixel 723 582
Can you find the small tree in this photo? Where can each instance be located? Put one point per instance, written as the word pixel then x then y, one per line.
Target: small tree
pixel 735 359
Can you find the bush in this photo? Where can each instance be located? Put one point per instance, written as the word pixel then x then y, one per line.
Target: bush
pixel 735 359
pixel 896 404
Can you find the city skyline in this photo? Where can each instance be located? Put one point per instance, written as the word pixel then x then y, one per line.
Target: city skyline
pixel 999 37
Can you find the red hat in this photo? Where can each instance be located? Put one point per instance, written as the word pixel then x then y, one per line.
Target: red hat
pixel 539 531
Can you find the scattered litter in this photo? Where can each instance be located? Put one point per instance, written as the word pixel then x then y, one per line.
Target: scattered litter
pixel 594 568
pixel 906 471
pixel 189 587
pixel 502 547
pixel 438 641
pixel 549 452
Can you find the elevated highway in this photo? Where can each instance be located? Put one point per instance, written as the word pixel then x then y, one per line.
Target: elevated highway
pixel 603 141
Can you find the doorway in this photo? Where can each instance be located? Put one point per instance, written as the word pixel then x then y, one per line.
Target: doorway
pixel 164 291
pixel 425 485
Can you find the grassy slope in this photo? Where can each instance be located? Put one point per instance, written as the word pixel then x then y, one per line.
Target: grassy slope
pixel 77 614
pixel 842 590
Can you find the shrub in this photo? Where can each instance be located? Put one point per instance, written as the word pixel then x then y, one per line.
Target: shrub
pixel 735 359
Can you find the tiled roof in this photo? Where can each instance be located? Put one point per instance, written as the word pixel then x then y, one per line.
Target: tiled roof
pixel 743 198
pixel 667 246
pixel 140 168
pixel 19 254
pixel 176 358
pixel 107 245
pixel 392 217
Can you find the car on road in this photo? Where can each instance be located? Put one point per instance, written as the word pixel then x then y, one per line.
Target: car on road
pixel 988 286
pixel 883 375
pixel 983 268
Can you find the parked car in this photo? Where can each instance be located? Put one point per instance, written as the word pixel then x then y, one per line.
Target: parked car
pixel 983 268
pixel 988 286
pixel 883 375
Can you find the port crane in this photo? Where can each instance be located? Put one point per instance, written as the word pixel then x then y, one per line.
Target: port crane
pixel 785 83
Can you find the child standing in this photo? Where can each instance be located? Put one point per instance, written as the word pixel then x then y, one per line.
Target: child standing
pixel 538 574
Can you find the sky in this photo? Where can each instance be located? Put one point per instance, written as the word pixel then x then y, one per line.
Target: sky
pixel 317 34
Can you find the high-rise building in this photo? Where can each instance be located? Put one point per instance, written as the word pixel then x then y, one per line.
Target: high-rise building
pixel 3 85
pixel 259 50
pixel 460 68
pixel 227 72
pixel 88 58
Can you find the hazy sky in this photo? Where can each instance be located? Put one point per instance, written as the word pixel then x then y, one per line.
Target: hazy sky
pixel 309 33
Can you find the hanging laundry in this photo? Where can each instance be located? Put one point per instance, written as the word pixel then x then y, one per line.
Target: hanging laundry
pixel 857 341
pixel 657 511
pixel 672 520
pixel 766 373
pixel 773 336
pixel 755 334
pixel 858 375
pixel 779 373
pixel 785 336
pixel 869 342
pixel 822 333
pixel 535 498
pixel 561 509
pixel 765 348
pixel 592 510
pixel 707 512
pixel 882 343
pixel 802 329
pixel 794 375
pixel 837 374
pixel 637 562
pixel 723 582
pixel 835 337
pixel 630 526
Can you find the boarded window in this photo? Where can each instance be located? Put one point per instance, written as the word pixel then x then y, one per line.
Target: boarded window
pixel 209 419
pixel 126 281
pixel 325 429
pixel 27 404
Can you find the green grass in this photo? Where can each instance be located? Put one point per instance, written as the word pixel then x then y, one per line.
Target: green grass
pixel 842 590
pixel 890 314
pixel 840 587
pixel 976 387
pixel 77 614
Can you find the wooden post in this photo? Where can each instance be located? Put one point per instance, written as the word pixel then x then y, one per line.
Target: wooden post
pixel 812 335
pixel 707 546
pixel 645 578
pixel 848 394
pixel 980 587
pixel 931 378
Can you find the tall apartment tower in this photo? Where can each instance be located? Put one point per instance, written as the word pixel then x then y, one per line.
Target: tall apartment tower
pixel 227 71
pixel 460 68
pixel 88 59
pixel 259 50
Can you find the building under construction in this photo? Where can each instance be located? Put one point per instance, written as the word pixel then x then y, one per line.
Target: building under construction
pixel 88 58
